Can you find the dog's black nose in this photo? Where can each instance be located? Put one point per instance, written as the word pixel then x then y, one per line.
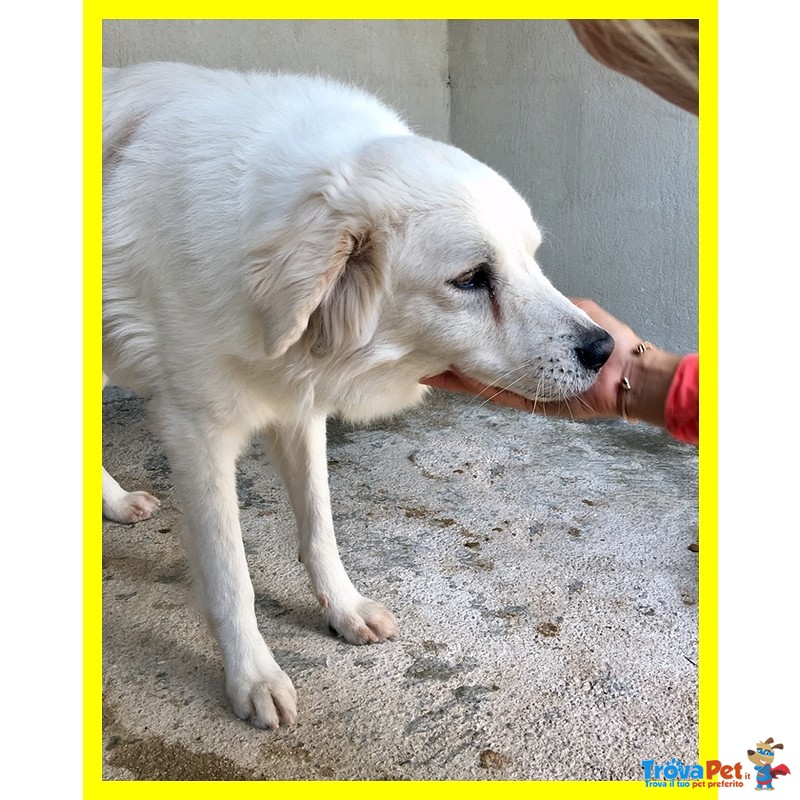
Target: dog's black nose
pixel 595 349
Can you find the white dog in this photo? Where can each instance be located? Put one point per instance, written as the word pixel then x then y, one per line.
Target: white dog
pixel 281 248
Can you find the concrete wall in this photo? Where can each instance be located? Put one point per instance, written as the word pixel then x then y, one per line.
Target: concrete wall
pixel 404 62
pixel 608 168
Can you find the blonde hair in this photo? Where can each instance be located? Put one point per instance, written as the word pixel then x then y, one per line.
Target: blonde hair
pixel 662 54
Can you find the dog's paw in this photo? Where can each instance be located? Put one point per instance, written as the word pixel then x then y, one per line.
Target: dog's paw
pixel 267 699
pixel 367 622
pixel 130 507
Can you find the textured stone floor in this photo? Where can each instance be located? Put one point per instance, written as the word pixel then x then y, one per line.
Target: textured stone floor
pixel 540 570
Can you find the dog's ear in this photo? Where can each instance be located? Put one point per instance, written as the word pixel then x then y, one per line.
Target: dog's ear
pixel 347 315
pixel 321 277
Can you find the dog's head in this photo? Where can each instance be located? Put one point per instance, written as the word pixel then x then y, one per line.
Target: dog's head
pixel 764 752
pixel 414 256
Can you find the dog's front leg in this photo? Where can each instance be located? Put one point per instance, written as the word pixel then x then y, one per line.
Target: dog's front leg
pixel 203 461
pixel 300 453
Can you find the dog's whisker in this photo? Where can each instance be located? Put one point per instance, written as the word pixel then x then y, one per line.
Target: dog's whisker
pixel 536 394
pixel 565 400
pixel 499 391
pixel 511 371
pixel 563 404
pixel 585 404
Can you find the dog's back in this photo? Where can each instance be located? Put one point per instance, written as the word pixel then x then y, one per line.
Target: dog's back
pixel 256 118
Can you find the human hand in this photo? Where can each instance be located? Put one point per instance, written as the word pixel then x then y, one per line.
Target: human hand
pixel 601 400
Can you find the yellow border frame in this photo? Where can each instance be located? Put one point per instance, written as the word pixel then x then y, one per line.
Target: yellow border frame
pixel 94 13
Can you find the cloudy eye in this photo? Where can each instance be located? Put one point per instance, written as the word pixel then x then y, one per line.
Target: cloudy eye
pixel 479 277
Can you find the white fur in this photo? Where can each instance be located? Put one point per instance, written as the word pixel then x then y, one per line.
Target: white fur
pixel 278 249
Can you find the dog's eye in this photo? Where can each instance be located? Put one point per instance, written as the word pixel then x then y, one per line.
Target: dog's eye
pixel 478 278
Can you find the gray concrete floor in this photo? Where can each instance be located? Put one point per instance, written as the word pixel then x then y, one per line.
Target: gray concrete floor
pixel 539 569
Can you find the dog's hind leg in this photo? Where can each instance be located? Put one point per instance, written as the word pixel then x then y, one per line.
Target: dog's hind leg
pixel 203 461
pixel 300 454
pixel 122 506
pixel 126 507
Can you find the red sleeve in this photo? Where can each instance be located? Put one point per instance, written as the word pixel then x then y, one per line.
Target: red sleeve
pixel 681 411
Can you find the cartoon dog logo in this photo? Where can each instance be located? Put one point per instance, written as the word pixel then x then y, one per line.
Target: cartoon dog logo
pixel 762 757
